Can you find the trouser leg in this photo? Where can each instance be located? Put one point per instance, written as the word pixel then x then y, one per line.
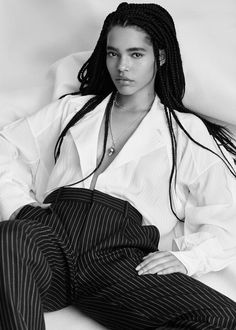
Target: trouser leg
pixel 109 242
pixel 164 302
pixel 33 271
pixel 109 290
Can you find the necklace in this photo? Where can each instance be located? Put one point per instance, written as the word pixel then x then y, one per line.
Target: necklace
pixel 113 147
pixel 118 105
pixel 111 150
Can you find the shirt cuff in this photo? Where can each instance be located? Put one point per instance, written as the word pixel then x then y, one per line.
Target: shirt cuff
pixel 201 253
pixel 192 261
pixel 10 205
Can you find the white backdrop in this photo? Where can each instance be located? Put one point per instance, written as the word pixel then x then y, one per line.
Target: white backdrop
pixel 36 33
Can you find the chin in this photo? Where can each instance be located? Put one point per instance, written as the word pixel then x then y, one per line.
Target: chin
pixel 125 91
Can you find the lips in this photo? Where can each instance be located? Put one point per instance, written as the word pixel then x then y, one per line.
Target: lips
pixel 123 80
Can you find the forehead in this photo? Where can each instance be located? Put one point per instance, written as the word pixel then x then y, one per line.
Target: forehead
pixel 128 37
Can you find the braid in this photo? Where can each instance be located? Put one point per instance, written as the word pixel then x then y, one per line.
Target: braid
pixel 94 77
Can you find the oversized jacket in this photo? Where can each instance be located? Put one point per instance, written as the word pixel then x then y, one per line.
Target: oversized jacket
pixel 204 196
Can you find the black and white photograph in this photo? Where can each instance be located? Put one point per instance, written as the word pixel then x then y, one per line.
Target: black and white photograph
pixel 118 165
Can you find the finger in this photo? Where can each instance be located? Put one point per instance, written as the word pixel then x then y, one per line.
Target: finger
pixel 171 270
pixel 153 268
pixel 171 266
pixel 148 263
pixel 157 254
pixel 156 257
pixel 149 255
pixel 179 267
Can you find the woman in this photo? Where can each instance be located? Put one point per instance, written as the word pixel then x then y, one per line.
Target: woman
pixel 134 173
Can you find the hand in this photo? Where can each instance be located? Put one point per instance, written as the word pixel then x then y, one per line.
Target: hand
pixel 35 204
pixel 160 263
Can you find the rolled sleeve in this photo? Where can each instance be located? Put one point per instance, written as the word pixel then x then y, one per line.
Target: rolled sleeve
pixel 202 253
pixel 209 233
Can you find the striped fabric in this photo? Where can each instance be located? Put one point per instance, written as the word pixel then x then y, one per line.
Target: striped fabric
pixel 83 250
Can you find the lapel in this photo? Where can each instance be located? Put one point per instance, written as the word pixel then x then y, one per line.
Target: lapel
pixel 148 137
pixel 85 135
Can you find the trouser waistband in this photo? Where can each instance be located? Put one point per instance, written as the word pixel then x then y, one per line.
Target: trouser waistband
pixel 90 196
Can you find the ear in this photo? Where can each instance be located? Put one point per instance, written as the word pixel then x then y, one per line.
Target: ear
pixel 162 56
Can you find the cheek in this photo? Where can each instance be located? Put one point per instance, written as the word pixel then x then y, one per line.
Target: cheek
pixel 110 66
pixel 152 69
pixel 148 71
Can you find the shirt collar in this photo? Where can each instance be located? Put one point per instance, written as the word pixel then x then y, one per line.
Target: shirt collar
pixel 153 127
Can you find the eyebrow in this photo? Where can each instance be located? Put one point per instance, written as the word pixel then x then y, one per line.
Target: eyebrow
pixel 132 49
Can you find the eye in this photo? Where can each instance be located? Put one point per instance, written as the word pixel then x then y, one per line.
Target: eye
pixel 137 55
pixel 111 54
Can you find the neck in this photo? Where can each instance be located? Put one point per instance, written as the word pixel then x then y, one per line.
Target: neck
pixel 134 103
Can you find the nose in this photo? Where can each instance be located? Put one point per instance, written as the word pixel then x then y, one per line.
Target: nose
pixel 123 65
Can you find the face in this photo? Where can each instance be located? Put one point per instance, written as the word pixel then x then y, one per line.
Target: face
pixel 130 60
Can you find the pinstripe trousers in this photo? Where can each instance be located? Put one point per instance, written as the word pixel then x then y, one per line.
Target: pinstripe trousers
pixel 83 250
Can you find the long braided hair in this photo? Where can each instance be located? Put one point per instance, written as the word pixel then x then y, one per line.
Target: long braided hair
pixel 94 79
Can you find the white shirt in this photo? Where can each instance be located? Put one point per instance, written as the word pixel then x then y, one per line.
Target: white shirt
pixel 205 195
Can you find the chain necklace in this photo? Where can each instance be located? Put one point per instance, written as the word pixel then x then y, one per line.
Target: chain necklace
pixel 111 150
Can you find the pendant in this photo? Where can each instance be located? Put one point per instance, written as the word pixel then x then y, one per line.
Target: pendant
pixel 111 151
